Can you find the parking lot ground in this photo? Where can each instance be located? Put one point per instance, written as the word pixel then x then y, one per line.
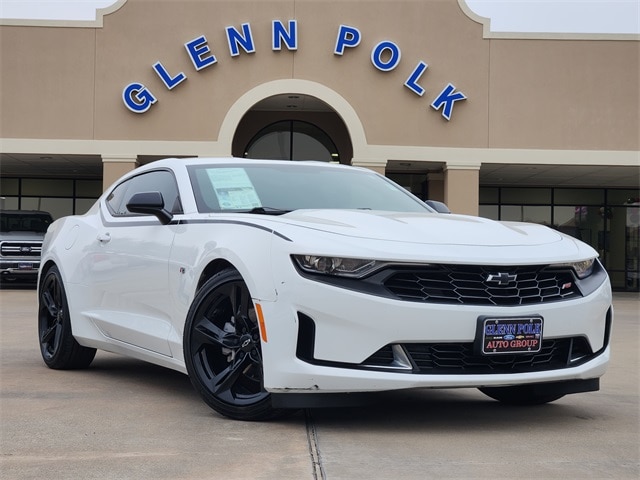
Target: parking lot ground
pixel 125 419
pixel 463 434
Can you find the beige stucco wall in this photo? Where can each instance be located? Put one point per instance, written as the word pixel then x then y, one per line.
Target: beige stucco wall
pixel 529 100
pixel 67 83
pixel 564 94
pixel 47 82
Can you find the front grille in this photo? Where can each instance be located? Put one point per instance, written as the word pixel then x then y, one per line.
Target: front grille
pixel 461 358
pixel 482 285
pixel 21 249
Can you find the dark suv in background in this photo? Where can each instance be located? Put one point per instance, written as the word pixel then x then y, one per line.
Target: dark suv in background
pixel 21 234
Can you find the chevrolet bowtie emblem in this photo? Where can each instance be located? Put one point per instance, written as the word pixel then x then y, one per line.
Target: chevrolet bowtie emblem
pixel 502 278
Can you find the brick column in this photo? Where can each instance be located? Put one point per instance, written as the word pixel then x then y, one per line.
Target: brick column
pixel 462 187
pixel 114 166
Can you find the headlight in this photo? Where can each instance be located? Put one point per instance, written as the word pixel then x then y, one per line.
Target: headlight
pixel 583 268
pixel 341 266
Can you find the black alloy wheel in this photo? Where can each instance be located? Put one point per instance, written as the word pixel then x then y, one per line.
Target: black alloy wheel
pixel 58 347
pixel 222 349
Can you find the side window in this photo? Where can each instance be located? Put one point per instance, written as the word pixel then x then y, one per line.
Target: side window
pixel 114 200
pixel 158 181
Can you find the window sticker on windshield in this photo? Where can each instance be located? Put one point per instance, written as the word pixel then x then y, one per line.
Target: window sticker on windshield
pixel 233 189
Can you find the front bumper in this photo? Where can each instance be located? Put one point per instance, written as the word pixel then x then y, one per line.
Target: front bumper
pixel 16 271
pixel 332 400
pixel 349 327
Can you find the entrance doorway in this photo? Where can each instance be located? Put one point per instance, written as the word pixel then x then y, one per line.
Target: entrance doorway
pixel 292 140
pixel 293 127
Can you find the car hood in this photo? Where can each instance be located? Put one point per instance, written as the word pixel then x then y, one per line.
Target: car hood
pixel 430 229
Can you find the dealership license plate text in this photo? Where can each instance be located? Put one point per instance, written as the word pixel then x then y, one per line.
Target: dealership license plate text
pixel 512 335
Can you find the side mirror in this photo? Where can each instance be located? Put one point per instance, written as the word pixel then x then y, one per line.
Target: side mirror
pixel 149 203
pixel 438 206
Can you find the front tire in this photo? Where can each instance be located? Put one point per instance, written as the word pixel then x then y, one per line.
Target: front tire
pixel 522 395
pixel 222 349
pixel 59 349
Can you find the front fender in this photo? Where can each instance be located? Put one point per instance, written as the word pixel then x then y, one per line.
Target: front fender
pixel 245 247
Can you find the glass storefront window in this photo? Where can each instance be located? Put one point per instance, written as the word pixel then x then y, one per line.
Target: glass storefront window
pixel 89 188
pixel 60 197
pixel 42 186
pixel 83 205
pixel 489 195
pixel 9 203
pixel 416 183
pixel 9 186
pixel 583 223
pixel 57 207
pixel 606 219
pixel 489 211
pixel 578 196
pixel 623 197
pixel 632 253
pixel 526 196
pixel 526 213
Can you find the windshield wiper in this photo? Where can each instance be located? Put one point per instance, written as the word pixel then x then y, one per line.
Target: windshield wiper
pixel 267 211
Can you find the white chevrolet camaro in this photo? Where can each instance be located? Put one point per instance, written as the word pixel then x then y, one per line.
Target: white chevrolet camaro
pixel 278 285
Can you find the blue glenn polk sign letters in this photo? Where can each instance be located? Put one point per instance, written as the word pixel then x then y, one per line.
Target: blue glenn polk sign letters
pixel 385 56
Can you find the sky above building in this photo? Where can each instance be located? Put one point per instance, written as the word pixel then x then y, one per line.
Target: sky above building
pixel 560 16
pixel 520 16
pixel 52 9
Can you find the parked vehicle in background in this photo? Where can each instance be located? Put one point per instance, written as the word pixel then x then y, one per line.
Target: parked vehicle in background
pixel 21 235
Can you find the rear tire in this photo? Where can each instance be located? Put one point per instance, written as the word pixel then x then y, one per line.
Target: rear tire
pixel 520 395
pixel 222 349
pixel 59 349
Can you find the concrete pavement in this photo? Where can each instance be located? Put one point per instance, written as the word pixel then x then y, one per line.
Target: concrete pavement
pixel 125 419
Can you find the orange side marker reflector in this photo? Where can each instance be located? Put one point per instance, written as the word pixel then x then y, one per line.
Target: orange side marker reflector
pixel 263 329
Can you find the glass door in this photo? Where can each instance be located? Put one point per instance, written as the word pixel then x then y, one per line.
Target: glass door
pixel 632 247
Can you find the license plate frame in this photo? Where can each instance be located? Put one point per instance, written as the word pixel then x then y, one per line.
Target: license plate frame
pixel 25 266
pixel 509 335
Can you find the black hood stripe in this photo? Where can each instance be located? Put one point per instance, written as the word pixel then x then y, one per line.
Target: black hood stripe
pixel 113 224
pixel 233 222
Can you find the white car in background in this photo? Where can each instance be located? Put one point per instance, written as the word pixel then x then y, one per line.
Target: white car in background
pixel 277 284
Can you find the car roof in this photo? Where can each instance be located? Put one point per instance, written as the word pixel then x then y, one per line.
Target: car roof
pixel 172 162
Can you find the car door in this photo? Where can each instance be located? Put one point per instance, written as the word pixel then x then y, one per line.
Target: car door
pixel 129 271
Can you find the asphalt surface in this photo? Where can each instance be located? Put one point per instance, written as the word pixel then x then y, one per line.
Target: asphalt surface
pixel 124 419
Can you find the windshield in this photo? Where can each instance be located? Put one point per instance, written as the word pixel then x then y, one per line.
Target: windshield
pixel 24 222
pixel 281 188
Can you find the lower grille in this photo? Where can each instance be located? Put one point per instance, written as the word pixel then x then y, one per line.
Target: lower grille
pixel 460 358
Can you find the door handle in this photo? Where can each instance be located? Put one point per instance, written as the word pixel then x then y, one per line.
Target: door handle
pixel 104 237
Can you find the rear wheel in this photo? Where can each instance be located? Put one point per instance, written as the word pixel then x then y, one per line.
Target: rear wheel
pixel 521 395
pixel 222 349
pixel 58 347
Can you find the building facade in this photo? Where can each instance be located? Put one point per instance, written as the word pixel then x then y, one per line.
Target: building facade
pixel 541 128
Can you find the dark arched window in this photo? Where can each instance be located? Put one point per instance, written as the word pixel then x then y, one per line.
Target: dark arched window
pixel 292 140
